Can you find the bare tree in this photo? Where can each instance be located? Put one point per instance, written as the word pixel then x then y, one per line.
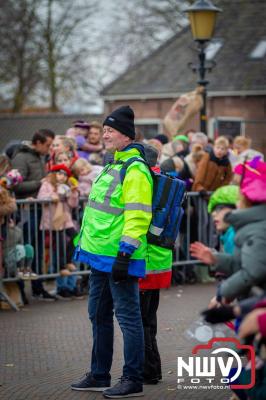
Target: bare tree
pixel 45 47
pixel 67 44
pixel 57 50
pixel 142 25
pixel 20 50
pixel 135 29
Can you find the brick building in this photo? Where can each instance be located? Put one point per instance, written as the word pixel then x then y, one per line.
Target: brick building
pixel 236 101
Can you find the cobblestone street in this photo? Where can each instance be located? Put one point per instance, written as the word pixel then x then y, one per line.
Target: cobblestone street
pixel 46 346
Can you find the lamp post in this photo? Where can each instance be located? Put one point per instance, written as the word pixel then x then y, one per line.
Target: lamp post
pixel 202 15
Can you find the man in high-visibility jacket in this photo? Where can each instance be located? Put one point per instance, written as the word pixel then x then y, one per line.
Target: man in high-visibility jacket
pixel 112 241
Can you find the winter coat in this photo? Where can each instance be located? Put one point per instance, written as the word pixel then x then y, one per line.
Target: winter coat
pixel 118 213
pixel 227 240
pixel 48 211
pixel 246 155
pixel 247 266
pixel 85 181
pixel 31 166
pixel 212 173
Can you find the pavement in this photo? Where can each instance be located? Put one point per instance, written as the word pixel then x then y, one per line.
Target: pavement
pixel 45 346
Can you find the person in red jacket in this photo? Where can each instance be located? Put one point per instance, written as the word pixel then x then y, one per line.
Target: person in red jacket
pixel 158 276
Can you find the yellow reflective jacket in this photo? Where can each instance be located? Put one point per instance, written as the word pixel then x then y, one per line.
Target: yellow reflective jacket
pixel 117 213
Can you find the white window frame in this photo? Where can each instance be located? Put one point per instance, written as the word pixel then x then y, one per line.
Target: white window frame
pixel 212 124
pixel 149 121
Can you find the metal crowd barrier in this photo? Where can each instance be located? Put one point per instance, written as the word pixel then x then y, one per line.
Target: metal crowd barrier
pixel 196 225
pixel 23 227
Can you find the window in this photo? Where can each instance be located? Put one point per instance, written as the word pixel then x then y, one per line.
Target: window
pixel 148 127
pixel 213 48
pixel 259 51
pixel 228 126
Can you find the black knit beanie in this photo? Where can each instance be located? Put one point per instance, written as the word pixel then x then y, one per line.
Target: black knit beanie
pixel 122 119
pixel 162 138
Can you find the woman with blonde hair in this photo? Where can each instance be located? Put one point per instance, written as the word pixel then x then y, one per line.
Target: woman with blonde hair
pixel 61 144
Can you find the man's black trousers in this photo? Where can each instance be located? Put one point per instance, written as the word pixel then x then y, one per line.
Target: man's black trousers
pixel 149 303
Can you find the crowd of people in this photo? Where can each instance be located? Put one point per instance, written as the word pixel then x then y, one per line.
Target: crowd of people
pixel 53 171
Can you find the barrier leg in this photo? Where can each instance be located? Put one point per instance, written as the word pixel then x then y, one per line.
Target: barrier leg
pixel 6 298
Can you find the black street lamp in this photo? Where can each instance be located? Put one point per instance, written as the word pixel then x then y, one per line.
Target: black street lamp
pixel 202 16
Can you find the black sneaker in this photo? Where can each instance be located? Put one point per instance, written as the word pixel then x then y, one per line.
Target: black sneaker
pixel 76 293
pixel 47 296
pixel 88 383
pixel 36 295
pixel 124 388
pixel 64 294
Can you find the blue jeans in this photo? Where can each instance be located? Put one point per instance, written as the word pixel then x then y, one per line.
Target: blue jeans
pixel 123 298
pixel 66 282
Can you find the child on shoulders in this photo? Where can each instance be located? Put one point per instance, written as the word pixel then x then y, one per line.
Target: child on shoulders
pixel 86 174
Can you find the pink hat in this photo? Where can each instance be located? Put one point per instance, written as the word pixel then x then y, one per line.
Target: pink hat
pixel 253 182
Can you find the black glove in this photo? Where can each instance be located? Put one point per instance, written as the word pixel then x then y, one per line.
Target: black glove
pixel 220 314
pixel 120 267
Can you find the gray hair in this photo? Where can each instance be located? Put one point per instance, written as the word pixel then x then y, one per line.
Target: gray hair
pixel 201 138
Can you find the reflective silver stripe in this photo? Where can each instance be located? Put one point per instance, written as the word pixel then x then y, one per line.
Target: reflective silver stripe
pixel 158 271
pixel 105 207
pixel 136 243
pixel 113 172
pixel 155 230
pixel 116 174
pixel 137 207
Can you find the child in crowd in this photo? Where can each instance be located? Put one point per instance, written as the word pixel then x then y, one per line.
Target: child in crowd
pixel 63 157
pixel 184 168
pixel 222 201
pixel 61 144
pixel 17 256
pixel 85 173
pixel 214 169
pixel 243 151
pixel 57 219
pixel 71 132
pixel 81 134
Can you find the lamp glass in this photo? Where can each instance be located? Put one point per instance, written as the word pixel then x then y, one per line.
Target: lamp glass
pixel 202 24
